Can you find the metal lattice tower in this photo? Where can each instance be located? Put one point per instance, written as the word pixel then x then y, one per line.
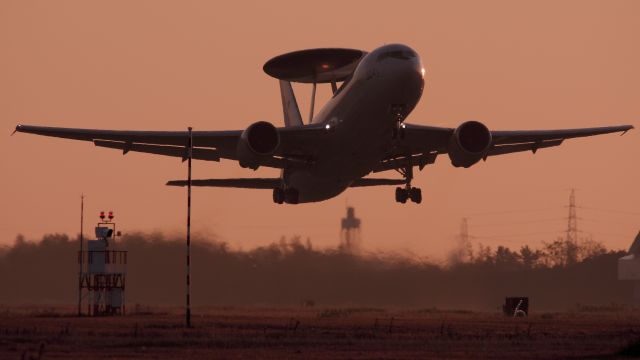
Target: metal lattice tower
pixel 464 231
pixel 465 244
pixel 350 232
pixel 572 225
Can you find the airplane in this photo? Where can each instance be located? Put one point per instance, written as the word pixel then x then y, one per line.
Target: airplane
pixel 359 131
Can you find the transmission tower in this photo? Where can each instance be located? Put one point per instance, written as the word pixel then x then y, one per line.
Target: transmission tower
pixel 572 225
pixel 464 231
pixel 465 245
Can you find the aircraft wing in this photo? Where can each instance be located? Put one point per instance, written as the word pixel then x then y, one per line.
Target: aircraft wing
pixel 423 143
pixel 296 143
pixel 272 183
pixel 244 183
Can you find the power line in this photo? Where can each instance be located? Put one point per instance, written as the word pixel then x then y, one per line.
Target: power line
pixel 604 234
pixel 605 221
pixel 519 222
pixel 610 211
pixel 514 211
pixel 504 236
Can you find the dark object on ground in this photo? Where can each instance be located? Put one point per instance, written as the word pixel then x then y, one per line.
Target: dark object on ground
pixel 631 350
pixel 516 306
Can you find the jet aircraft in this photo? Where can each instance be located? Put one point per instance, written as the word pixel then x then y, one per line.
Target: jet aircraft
pixel 359 131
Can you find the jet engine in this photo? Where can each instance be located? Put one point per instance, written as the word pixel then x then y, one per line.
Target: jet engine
pixel 260 140
pixel 469 143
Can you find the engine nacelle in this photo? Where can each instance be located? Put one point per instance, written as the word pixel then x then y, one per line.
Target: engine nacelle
pixel 260 140
pixel 469 143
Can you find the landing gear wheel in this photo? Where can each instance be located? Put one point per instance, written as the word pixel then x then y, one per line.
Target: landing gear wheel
pixel 401 195
pixel 278 195
pixel 415 194
pixel 291 196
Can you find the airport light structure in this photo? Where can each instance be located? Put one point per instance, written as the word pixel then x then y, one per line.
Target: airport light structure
pixel 103 271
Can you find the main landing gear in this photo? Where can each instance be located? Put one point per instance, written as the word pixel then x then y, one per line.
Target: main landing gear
pixel 288 195
pixel 408 192
pixel 412 193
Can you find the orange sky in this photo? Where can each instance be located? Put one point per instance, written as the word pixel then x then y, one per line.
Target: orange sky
pixel 167 65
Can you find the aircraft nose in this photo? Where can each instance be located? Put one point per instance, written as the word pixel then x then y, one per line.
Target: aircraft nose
pixel 396 51
pixel 399 59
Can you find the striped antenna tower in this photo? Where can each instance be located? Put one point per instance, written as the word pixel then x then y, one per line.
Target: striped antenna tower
pixel 188 305
pixel 81 253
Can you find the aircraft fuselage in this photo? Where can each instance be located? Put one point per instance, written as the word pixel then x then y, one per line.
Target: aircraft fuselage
pixel 361 118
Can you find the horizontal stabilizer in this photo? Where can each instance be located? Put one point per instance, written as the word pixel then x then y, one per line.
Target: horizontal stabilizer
pixel 377 182
pixel 244 183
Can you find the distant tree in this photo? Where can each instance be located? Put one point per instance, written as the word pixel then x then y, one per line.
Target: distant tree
pixel 555 253
pixel 563 253
pixel 530 258
pixel 20 240
pixel 590 248
pixel 484 255
pixel 506 259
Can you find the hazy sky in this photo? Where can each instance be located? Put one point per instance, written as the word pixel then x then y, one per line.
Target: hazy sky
pixel 166 65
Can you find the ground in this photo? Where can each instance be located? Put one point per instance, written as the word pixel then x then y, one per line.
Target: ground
pixel 314 333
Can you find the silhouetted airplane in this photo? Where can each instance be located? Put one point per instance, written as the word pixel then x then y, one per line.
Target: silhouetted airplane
pixel 360 130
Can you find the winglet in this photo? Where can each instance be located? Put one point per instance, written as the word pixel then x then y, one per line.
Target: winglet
pixel 627 129
pixel 176 183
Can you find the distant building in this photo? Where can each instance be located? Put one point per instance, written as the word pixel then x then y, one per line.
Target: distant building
pixel 350 240
pixel 629 267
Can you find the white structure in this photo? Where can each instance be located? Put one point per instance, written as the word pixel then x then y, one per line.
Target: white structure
pixel 103 272
pixel 629 267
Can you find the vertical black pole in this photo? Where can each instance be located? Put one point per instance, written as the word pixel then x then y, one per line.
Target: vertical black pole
pixel 81 255
pixel 188 312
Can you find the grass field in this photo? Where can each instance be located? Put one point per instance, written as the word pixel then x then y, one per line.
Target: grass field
pixel 314 333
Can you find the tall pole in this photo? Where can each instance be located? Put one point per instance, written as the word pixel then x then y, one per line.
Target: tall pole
pixel 188 312
pixel 81 255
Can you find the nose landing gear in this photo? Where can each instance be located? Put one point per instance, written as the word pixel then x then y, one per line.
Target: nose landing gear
pixel 397 110
pixel 408 192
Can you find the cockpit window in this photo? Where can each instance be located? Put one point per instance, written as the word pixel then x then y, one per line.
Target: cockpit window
pixel 397 54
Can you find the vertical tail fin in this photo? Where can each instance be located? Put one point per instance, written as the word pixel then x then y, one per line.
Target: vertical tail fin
pixel 289 105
